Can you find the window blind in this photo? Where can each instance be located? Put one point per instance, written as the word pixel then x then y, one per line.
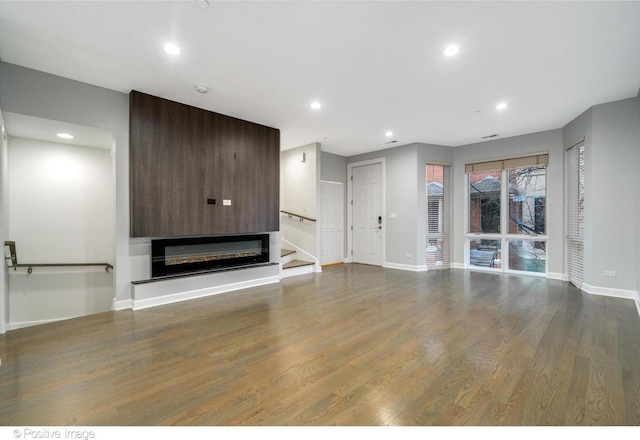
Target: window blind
pixel 437 244
pixel 507 164
pixel 574 199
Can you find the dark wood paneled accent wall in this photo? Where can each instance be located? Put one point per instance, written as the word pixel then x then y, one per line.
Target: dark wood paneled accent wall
pixel 182 156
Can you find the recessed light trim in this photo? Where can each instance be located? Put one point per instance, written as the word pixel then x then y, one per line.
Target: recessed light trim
pixel 172 49
pixel 315 105
pixel 65 136
pixel 501 106
pixel 202 89
pixel 451 50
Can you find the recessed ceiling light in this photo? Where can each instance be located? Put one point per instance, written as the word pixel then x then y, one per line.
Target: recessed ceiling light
pixel 65 136
pixel 201 89
pixel 315 105
pixel 501 106
pixel 452 50
pixel 171 49
pixel 388 134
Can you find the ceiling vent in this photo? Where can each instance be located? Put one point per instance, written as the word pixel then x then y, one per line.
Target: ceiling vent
pixel 390 142
pixel 490 136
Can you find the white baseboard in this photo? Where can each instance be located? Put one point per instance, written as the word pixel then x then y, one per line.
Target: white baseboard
pixel 200 293
pixel 607 291
pixel 557 276
pixel 638 306
pixel 457 266
pixel 408 267
pixel 24 324
pixel 123 304
pixel 296 271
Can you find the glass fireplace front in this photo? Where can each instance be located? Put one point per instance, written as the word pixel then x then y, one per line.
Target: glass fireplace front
pixel 199 254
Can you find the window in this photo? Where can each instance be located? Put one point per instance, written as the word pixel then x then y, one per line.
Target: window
pixel 484 201
pixel 437 236
pixel 574 199
pixel 507 214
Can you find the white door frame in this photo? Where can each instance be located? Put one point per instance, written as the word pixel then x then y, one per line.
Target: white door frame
pixel 383 190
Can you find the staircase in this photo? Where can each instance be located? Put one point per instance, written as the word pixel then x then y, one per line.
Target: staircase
pixel 290 266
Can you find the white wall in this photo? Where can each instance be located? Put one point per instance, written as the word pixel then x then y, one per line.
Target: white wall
pixel 60 210
pixel 299 194
pixel 60 202
pixel 30 92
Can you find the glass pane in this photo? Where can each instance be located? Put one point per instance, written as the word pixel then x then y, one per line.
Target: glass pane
pixel 485 253
pixel 435 199
pixel 436 251
pixel 528 200
pixel 484 201
pixel 528 255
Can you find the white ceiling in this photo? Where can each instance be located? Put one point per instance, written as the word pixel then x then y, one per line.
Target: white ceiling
pixel 375 66
pixel 46 130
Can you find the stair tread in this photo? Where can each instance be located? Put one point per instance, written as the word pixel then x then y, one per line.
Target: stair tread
pixel 297 263
pixel 285 252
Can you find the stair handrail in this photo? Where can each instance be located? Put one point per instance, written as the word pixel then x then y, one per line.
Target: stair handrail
pixel 14 261
pixel 301 217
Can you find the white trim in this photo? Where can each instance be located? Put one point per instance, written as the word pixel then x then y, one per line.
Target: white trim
pixel 458 266
pixel 123 304
pixel 200 293
pixel 309 257
pixel 24 324
pixel 383 189
pixel 608 291
pixel 296 271
pixel 409 267
pixel 638 306
pixel 557 276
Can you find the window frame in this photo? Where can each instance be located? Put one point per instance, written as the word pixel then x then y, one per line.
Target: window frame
pixel 504 236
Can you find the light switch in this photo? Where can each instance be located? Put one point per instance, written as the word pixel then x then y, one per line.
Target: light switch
pixel 226 202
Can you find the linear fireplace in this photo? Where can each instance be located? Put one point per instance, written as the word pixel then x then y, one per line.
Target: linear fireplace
pixel 174 256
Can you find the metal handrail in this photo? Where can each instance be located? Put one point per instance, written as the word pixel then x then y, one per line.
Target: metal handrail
pixel 15 265
pixel 301 217
pixel 30 267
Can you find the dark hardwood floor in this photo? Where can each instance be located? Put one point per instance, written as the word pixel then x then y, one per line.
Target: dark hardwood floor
pixel 354 345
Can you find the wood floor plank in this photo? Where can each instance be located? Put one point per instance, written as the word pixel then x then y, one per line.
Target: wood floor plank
pixel 354 345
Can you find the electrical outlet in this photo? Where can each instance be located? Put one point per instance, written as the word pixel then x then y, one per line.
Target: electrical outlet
pixel 610 273
pixel 407 255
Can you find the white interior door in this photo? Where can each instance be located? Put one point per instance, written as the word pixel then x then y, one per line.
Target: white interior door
pixel 367 214
pixel 331 222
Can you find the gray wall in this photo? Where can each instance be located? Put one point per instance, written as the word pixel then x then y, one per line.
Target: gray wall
pixel 405 197
pixel 612 139
pixel 333 168
pixel 550 141
pixel 4 287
